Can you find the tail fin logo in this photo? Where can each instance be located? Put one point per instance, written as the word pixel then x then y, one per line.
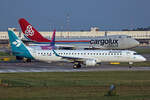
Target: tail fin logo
pixel 29 31
pixel 17 43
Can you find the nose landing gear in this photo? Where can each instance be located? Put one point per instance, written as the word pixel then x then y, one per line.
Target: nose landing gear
pixel 130 64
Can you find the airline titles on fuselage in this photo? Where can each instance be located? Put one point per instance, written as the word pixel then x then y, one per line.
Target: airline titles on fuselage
pixel 103 42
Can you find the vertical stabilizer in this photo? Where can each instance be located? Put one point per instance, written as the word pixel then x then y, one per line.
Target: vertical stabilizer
pixel 53 39
pixel 17 46
pixel 30 32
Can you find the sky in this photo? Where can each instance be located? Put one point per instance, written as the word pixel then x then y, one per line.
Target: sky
pixel 70 15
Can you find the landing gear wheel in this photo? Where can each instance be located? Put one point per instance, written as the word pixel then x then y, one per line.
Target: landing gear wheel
pixel 75 66
pixel 130 64
pixel 28 60
pixel 79 66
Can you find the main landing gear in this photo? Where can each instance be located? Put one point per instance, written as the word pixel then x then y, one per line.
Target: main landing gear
pixel 130 64
pixel 28 60
pixel 78 65
pixel 23 59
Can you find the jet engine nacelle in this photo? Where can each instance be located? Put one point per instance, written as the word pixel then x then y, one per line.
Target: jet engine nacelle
pixel 90 62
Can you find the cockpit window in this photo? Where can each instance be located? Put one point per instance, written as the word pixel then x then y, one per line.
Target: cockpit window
pixel 135 53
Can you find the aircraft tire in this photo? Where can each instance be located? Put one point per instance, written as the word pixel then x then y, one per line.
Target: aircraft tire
pixel 28 60
pixel 79 66
pixel 75 66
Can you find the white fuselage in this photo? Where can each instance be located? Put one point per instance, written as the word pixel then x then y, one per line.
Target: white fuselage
pixel 97 55
pixel 105 42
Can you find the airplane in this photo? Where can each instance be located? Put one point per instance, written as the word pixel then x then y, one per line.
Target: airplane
pixel 46 47
pixel 78 57
pixel 103 42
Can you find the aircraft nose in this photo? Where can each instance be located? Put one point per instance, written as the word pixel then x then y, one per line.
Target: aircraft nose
pixel 143 59
pixel 132 43
pixel 136 43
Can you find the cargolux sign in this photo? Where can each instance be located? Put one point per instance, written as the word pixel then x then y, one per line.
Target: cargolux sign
pixel 104 42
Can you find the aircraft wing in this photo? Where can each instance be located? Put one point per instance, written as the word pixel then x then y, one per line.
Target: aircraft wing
pixel 73 59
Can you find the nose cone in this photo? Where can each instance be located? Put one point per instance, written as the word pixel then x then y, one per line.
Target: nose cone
pixel 143 59
pixel 128 43
pixel 139 58
pixel 135 43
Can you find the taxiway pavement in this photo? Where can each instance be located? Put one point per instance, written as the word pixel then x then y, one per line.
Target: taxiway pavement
pixel 10 67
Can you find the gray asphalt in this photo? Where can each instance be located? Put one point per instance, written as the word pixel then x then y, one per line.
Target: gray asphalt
pixel 11 67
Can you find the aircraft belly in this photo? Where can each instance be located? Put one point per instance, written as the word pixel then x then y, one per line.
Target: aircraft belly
pixel 47 58
pixel 106 59
pixel 112 59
